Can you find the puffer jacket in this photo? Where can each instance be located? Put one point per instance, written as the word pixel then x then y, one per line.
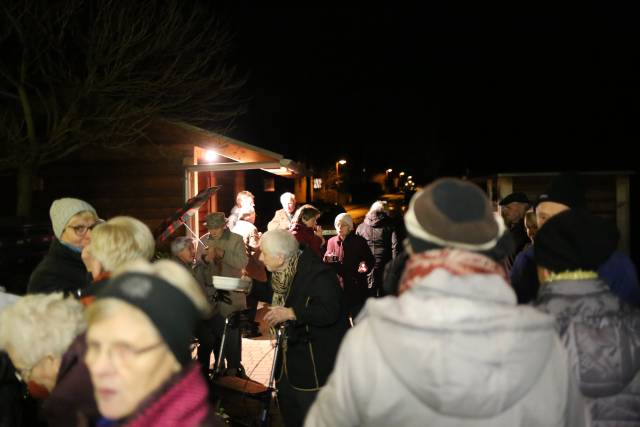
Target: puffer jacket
pixel 451 351
pixel 602 334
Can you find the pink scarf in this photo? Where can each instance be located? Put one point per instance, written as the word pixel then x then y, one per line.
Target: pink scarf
pixel 183 404
pixel 454 261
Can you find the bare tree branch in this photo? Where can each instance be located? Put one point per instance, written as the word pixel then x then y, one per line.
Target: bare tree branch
pixel 77 73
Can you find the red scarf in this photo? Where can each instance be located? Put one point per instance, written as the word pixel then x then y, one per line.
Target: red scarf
pixel 455 261
pixel 183 404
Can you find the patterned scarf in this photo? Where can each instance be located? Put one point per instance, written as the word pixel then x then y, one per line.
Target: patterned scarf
pixel 281 280
pixel 455 261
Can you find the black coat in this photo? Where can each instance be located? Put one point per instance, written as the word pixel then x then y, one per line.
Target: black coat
pixel 350 253
pixel 61 270
pixel 381 236
pixel 314 338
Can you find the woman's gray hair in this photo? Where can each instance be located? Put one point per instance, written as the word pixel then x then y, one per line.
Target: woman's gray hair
pixel 41 324
pixel 343 218
pixel 279 242
pixel 180 243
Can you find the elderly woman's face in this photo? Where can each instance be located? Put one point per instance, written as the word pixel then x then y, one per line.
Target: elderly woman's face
pixel 342 229
pixel 78 230
pixel 270 261
pixel 44 372
pixel 128 360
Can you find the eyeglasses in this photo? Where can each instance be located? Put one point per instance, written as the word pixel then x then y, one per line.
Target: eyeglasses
pixel 119 354
pixel 23 374
pixel 81 229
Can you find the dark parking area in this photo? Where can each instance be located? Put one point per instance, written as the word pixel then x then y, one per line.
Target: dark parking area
pixel 23 243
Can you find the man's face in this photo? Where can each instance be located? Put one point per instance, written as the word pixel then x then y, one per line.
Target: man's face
pixel 290 205
pixel 546 210
pixel 513 212
pixel 187 254
pixel 216 233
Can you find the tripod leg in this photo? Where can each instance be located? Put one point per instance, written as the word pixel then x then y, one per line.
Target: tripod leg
pixel 220 360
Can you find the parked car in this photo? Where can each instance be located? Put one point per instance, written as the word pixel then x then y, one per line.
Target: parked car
pixel 23 244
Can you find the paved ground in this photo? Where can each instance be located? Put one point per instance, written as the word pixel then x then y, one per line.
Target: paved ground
pixel 257 358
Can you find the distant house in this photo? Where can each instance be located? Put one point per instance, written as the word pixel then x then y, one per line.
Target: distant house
pixel 608 193
pixel 152 179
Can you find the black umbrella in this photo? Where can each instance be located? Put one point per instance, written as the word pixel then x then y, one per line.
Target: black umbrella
pixel 181 216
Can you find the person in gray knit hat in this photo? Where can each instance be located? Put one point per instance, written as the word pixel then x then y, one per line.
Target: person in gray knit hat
pixel 453 348
pixel 62 269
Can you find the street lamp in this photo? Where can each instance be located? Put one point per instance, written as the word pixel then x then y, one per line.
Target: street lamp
pixel 338 163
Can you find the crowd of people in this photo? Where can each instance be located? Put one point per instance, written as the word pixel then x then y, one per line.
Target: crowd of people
pixel 527 315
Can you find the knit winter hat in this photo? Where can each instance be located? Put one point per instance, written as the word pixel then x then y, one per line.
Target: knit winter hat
pixel 574 240
pixel 344 218
pixel 62 210
pixel 453 213
pixel 567 189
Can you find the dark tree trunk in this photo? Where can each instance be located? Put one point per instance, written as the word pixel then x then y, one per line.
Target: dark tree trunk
pixel 24 190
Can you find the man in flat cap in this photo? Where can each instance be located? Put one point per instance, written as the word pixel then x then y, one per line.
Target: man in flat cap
pixel 513 208
pixel 568 192
pixel 225 255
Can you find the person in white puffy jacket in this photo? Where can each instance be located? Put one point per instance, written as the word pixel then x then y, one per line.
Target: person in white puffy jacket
pixel 453 349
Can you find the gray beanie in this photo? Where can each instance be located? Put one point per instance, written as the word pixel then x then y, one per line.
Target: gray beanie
pixel 62 210
pixel 454 213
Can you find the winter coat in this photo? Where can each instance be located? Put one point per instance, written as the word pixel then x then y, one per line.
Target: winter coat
pixel 518 233
pixel 382 238
pixel 321 322
pixel 61 270
pixel 450 351
pixel 350 252
pixel 618 271
pixel 72 399
pixel 602 334
pixel 235 255
pixel 231 265
pixel 305 236
pixel 281 221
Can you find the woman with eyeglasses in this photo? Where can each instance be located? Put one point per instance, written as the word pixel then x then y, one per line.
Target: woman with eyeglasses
pixel 62 269
pixel 138 348
pixel 44 338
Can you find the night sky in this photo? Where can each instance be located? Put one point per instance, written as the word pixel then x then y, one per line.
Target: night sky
pixel 441 91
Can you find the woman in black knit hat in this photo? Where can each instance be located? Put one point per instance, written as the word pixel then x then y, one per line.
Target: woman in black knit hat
pixel 599 329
